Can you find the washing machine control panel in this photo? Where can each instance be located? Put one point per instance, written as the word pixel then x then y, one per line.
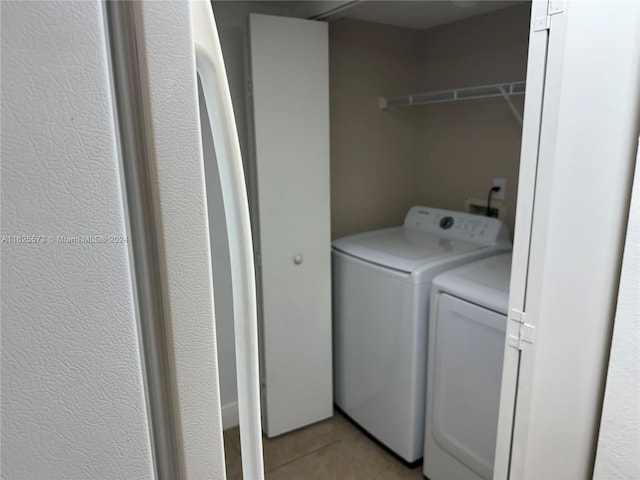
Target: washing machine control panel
pixel 457 225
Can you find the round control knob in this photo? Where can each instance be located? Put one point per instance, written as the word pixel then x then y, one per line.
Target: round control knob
pixel 446 223
pixel 298 259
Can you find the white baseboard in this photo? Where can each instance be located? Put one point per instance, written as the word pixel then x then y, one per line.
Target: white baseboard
pixel 230 415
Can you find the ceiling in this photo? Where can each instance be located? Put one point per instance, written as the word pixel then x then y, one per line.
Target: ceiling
pixel 416 14
pixel 420 14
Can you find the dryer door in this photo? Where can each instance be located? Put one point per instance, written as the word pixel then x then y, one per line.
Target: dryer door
pixel 465 391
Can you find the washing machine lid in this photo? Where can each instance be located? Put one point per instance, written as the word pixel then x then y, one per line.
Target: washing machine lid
pixel 404 249
pixel 485 282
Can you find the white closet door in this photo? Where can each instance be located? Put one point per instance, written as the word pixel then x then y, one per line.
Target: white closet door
pixel 290 83
pixel 570 225
pixel 534 98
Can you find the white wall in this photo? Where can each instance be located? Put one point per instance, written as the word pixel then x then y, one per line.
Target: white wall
pixel 464 145
pixel 618 455
pixel 373 152
pixel 73 403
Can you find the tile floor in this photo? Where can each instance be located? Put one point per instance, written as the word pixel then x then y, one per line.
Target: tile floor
pixel 328 450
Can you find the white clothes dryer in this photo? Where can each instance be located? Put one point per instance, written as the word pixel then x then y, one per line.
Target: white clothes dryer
pixel 381 285
pixel 467 324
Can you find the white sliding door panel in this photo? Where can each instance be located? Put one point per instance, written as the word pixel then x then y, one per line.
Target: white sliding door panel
pixel 290 78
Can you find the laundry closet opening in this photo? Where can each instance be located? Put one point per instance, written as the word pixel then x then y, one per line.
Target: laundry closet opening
pixel 374 147
pixel 439 155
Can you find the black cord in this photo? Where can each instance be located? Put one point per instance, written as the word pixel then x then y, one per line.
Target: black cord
pixel 495 189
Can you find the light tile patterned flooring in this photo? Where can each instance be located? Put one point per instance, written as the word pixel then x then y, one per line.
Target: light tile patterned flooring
pixel 328 450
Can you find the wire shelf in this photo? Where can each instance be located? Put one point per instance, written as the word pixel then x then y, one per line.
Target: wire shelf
pixel 504 90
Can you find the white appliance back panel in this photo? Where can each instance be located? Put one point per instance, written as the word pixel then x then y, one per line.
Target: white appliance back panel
pixel 290 77
pixel 465 388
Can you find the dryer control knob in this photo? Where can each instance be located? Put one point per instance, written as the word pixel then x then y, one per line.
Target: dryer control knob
pixel 446 223
pixel 298 259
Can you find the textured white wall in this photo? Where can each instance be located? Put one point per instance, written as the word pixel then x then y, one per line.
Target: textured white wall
pixel 618 455
pixel 73 403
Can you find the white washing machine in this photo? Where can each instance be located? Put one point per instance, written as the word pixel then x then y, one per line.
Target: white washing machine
pixel 467 324
pixel 381 285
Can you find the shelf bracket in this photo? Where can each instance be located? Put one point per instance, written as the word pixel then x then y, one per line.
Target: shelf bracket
pixel 513 108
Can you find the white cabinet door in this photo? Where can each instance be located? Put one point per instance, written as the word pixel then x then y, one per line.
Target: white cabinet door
pixel 290 169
